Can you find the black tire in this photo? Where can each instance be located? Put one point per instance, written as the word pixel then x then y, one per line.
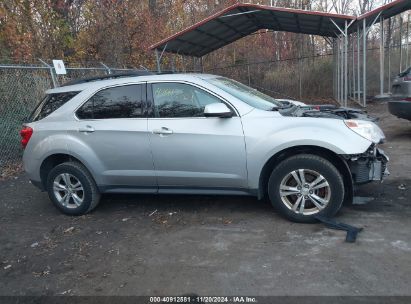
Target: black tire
pixel 312 163
pixel 91 195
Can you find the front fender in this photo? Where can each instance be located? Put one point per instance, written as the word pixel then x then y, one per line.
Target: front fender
pixel 266 137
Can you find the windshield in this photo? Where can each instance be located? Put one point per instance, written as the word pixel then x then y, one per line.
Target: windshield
pixel 249 95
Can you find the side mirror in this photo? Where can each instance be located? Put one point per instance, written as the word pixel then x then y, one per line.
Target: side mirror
pixel 217 110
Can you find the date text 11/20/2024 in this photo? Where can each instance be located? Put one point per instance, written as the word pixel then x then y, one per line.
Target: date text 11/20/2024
pixel 203 299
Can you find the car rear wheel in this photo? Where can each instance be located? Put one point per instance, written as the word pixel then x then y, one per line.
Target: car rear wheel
pixel 304 186
pixel 72 189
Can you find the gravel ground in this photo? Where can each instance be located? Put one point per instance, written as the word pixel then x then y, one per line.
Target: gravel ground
pixel 173 245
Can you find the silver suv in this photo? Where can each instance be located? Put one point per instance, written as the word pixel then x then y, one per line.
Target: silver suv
pixel 195 134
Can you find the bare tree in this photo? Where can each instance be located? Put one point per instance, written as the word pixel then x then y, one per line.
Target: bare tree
pixel 342 6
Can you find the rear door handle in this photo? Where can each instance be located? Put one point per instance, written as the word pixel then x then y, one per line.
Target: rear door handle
pixel 163 131
pixel 86 129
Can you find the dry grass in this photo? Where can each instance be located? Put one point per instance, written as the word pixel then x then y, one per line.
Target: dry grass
pixel 11 171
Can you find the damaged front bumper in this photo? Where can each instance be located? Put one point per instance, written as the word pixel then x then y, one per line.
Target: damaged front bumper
pixel 369 166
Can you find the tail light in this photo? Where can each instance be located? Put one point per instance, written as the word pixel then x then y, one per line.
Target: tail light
pixel 407 78
pixel 408 99
pixel 25 134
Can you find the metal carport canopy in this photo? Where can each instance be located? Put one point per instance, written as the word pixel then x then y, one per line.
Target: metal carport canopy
pixel 386 11
pixel 240 20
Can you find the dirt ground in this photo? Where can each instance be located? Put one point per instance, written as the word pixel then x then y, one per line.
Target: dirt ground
pixel 173 245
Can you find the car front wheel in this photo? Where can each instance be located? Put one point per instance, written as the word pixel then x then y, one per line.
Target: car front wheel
pixel 304 186
pixel 72 189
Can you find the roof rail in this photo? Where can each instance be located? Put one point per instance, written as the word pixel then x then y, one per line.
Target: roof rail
pixel 110 76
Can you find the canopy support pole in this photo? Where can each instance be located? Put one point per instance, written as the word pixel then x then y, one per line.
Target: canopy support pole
pixel 389 58
pixel 346 65
pixel 364 75
pixel 343 50
pixel 353 67
pixel 401 53
pixel 408 41
pixel 159 57
pixel 358 65
pixel 158 61
pixel 334 69
pixel 342 46
pixel 337 49
pixel 382 56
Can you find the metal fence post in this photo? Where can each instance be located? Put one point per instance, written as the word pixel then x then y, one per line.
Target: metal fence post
pixel 183 63
pixel 106 67
pixel 248 72
pixel 173 63
pixel 53 77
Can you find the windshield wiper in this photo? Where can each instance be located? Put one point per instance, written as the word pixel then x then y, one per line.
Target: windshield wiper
pixel 286 106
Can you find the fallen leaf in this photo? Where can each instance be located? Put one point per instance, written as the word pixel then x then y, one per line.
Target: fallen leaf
pixel 69 230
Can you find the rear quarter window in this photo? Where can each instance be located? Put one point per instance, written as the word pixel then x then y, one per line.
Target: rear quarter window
pixel 50 103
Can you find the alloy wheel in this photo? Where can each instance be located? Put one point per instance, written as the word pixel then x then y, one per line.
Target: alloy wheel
pixel 305 191
pixel 68 190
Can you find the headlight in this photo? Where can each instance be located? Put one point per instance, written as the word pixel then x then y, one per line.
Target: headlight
pixel 366 129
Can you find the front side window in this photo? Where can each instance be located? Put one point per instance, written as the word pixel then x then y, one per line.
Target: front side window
pixel 117 102
pixel 180 100
pixel 51 103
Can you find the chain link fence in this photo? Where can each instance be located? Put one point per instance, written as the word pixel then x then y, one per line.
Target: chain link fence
pixel 21 88
pixel 306 78
pixel 311 78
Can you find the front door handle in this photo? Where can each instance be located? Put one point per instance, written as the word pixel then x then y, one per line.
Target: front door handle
pixel 163 131
pixel 86 129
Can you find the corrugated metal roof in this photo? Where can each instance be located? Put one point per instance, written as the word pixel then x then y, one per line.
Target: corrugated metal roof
pixel 240 20
pixel 387 11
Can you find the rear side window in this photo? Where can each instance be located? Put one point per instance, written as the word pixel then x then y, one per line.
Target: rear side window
pixel 117 102
pixel 50 103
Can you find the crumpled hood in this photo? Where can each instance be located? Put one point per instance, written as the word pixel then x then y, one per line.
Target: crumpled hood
pixel 299 109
